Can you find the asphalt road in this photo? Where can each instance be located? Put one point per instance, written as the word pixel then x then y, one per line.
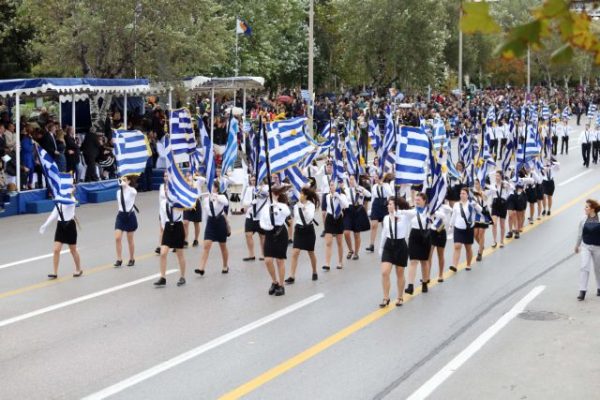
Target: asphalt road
pixel 111 334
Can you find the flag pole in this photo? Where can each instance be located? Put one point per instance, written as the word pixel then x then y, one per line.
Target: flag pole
pixel 267 163
pixel 236 56
pixel 256 141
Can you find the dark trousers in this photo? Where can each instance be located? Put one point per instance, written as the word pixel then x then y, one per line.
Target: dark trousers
pixel 554 145
pixel 502 147
pixel 585 152
pixel 578 119
pixel 90 170
pixel 564 145
pixel 595 151
pixel 494 148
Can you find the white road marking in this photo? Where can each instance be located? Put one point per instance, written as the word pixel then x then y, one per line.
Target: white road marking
pixel 575 177
pixel 428 387
pixel 180 359
pixel 27 260
pixel 77 300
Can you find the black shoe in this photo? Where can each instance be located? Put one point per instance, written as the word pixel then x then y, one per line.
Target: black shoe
pixel 479 256
pixel 468 268
pixel 290 241
pixel 272 289
pixel 323 233
pixel 181 281
pixel 517 235
pixel 280 291
pixel 548 213
pixel 355 257
pixel 290 280
pixel 409 289
pixel 315 277
pixel 509 235
pixel 118 263
pixel 370 249
pixel 225 270
pixel 544 213
pixel 452 268
pixel 598 292
pixel 581 295
pixel 326 267
pixel 384 303
pixel 52 276
pixel 195 243
pixel 157 250
pixel 199 271
pixel 160 282
pixel 131 263
pixel 174 251
pixel 249 259
pixel 424 288
pixel 185 243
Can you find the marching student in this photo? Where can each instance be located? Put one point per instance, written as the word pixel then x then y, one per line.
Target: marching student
pixel 499 193
pixel 554 135
pixel 216 229
pixel 595 143
pixel 355 216
pixel 304 231
pixel 463 218
pixel 588 244
pixel 193 215
pixel 517 204
pixel 380 193
pixel 482 218
pixel 65 233
pixel 564 132
pixel 273 222
pixel 254 199
pixel 550 167
pixel 535 194
pixel 393 248
pixel 126 219
pixel 456 184
pixel 585 139
pixel 162 196
pixel 439 236
pixel 173 236
pixel 335 202
pixel 419 243
pixel 494 138
pixel 325 182
pixel 501 131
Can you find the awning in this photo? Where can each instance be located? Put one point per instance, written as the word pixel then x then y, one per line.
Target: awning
pixel 11 87
pixel 202 83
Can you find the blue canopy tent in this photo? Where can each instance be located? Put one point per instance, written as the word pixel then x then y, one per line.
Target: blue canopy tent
pixel 66 86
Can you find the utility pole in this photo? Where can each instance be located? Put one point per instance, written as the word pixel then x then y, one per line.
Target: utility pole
pixel 311 40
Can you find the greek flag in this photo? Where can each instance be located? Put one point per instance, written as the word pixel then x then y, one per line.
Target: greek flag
pixel 566 114
pixel 388 138
pixel 317 152
pixel 326 133
pixel 287 145
pixel 338 165
pixel 297 179
pixel 545 112
pixel 482 171
pixel 179 192
pixel 511 144
pixel 491 115
pixel 531 148
pixel 230 154
pixel 411 156
pixel 131 151
pixel 60 183
pixel 196 166
pixel 464 147
pixel 439 134
pixel 181 138
pixel 533 114
pixel 374 134
pixel 592 110
pixel 437 191
pixel 351 156
pixel 451 166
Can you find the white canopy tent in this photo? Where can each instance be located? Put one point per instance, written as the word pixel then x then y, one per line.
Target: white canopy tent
pixel 75 87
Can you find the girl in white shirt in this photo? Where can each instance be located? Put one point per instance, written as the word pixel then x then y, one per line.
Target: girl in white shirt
pixel 335 203
pixel 463 219
pixel 66 233
pixel 216 230
pixel 272 221
pixel 304 231
pixel 162 195
pixel 419 243
pixel 380 193
pixel 193 215
pixel 126 219
pixel 498 194
pixel 355 216
pixel 438 234
pixel 173 236
pixel 254 199
pixel 393 248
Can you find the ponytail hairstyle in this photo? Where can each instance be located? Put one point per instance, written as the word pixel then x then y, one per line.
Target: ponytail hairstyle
pixel 400 203
pixel 311 195
pixel 594 205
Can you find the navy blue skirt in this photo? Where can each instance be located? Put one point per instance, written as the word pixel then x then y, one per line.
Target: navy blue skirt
pixel 379 209
pixel 464 236
pixel 216 229
pixel 195 214
pixel 356 219
pixel 126 221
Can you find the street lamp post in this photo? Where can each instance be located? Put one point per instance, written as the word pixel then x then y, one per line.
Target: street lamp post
pixel 311 39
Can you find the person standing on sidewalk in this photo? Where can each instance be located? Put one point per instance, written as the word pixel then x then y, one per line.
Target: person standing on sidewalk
pixel 588 245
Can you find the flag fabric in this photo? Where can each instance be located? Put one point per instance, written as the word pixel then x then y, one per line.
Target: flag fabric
pixel 179 192
pixel 297 179
pixel 491 115
pixel 351 156
pixel 438 134
pixel 451 166
pixel 464 147
pixel 230 154
pixel 288 145
pixel 388 138
pixel 208 165
pixel 374 134
pixel 196 167
pixel 439 185
pixel 545 112
pixel 241 27
pixel 411 156
pixel 338 164
pixel 181 139
pixel 511 144
pixel 131 150
pixel 60 183
pixel 592 110
pixel 566 114
pixel 531 147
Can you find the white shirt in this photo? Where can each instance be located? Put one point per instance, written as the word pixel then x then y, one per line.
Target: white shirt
pixel 280 213
pixel 129 195
pixel 470 209
pixel 162 194
pixel 68 212
pixel 218 201
pixel 585 137
pixel 423 216
pixel 550 169
pixel 335 200
pixel 325 180
pixel 397 231
pixel 563 130
pixel 381 191
pixel 441 217
pixel 177 213
pixel 356 195
pixel 254 200
pixel 308 211
pixel 499 191
pixel 492 132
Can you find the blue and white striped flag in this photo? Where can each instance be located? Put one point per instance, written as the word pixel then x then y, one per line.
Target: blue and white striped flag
pixel 351 156
pixel 491 115
pixel 182 139
pixel 545 112
pixel 297 179
pixel 451 166
pixel 374 134
pixel 411 156
pixel 179 192
pixel 60 183
pixel 208 164
pixel 531 148
pixel 566 114
pixel 592 110
pixel 287 145
pixel 230 154
pixel 511 144
pixel 338 174
pixel 388 138
pixel 464 147
pixel 131 151
pixel 439 134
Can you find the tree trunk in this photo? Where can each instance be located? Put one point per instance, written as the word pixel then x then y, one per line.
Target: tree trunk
pixel 99 113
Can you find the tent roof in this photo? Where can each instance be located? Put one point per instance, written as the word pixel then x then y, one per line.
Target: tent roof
pixel 202 83
pixel 11 87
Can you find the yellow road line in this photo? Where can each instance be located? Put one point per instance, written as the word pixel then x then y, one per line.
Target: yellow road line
pixel 67 278
pixel 312 351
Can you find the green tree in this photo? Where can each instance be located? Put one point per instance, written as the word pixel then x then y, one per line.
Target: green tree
pixel 15 35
